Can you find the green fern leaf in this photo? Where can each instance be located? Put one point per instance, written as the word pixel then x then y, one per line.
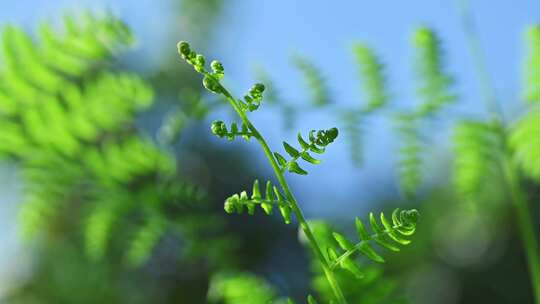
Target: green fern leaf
pixel 318 140
pixel 273 197
pixel 403 223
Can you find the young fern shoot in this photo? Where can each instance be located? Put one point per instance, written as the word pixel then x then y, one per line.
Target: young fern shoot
pixel 280 195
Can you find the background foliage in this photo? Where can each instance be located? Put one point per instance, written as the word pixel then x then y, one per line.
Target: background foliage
pixel 122 187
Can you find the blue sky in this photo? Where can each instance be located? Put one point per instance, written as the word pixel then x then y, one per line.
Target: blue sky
pixel 267 32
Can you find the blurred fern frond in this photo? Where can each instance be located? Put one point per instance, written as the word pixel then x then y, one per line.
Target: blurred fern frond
pixel 240 288
pixel 532 65
pixel 314 79
pixel 69 122
pixel 523 139
pixel 435 83
pixel 374 82
pixel 476 146
pixel 372 73
pixel 374 286
pixel 410 154
pixel 525 143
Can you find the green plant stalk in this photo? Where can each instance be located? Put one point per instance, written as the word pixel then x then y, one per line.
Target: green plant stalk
pixel 509 169
pixel 290 197
pixel 525 224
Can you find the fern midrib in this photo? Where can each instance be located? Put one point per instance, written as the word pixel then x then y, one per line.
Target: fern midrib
pixel 261 201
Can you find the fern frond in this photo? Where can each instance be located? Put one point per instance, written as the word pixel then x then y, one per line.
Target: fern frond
pixel 388 234
pixel 409 164
pixel 57 110
pixel 374 287
pixel 314 79
pixel 219 128
pixel 531 69
pixel 526 145
pixel 318 140
pixel 372 73
pixel 435 83
pixel 273 197
pixel 476 147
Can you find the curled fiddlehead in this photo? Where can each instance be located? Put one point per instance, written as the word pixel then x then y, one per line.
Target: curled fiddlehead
pixel 318 140
pixel 219 128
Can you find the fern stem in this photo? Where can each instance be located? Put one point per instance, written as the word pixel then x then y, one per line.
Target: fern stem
pixel 473 41
pixel 290 197
pixel 526 226
pixel 510 171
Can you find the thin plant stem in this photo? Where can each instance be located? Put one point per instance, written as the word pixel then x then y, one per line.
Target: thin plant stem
pixel 525 225
pixel 509 169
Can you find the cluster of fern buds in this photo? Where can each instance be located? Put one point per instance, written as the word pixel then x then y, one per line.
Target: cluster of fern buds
pixel 198 61
pixel 253 99
pixel 219 128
